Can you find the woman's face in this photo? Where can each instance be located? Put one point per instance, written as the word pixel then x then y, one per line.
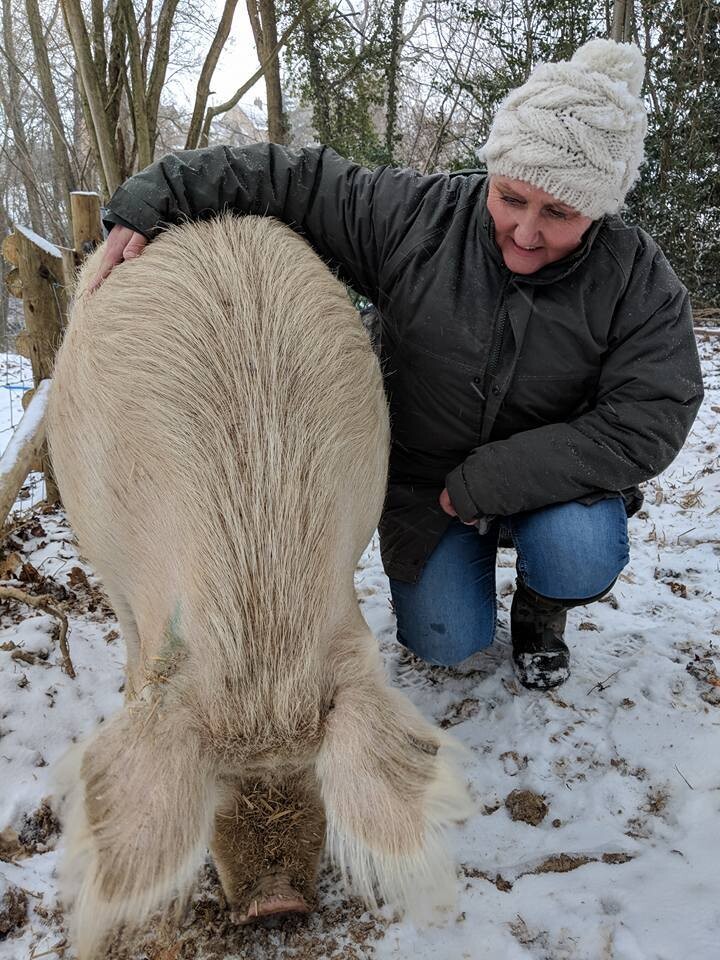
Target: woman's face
pixel 532 228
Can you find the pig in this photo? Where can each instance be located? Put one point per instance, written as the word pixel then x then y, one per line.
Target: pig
pixel 219 432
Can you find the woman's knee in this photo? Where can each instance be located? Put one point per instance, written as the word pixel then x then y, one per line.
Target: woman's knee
pixel 442 633
pixel 437 645
pixel 449 614
pixel 572 551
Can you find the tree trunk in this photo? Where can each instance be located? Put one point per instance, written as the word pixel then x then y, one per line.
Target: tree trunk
pixel 313 56
pixel 392 74
pixel 263 18
pixel 99 55
pixel 116 75
pixel 10 99
pixel 61 148
pixel 213 112
pixel 159 67
pixel 206 74
pixel 138 103
pixel 619 19
pixel 92 90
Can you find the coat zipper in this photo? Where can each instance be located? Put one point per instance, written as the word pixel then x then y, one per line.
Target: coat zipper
pixel 497 336
pixel 496 347
pixel 494 357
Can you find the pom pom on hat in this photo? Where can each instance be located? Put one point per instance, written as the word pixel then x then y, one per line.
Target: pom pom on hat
pixel 576 128
pixel 618 61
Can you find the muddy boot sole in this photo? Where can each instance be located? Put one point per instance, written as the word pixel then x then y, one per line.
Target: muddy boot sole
pixel 542 670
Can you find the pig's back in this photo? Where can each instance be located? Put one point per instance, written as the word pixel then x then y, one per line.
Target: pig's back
pixel 219 430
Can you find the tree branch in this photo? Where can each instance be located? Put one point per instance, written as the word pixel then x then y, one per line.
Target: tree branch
pixel 206 74
pixel 249 84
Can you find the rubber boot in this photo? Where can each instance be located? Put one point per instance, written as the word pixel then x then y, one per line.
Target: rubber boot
pixel 537 627
pixel 537 624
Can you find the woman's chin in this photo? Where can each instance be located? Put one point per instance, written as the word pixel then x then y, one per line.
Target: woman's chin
pixel 520 264
pixel 520 261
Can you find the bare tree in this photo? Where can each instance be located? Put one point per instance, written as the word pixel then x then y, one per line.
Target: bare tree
pixel 92 81
pixel 122 80
pixel 10 99
pixel 265 64
pixel 264 19
pixel 63 152
pixel 206 74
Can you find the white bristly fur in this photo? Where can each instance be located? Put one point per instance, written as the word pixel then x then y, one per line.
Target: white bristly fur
pixel 219 432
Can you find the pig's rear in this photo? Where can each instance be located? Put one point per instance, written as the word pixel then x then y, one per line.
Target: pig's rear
pixel 219 432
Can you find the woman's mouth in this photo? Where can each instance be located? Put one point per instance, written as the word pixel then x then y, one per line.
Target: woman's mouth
pixel 524 251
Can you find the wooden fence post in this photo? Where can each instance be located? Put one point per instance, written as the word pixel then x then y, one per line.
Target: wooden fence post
pixel 41 275
pixel 86 223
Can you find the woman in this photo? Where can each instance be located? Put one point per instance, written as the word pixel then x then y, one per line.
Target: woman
pixel 539 353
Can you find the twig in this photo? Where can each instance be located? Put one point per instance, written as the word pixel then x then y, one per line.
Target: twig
pixel 685 778
pixel 45 603
pixel 59 948
pixel 600 685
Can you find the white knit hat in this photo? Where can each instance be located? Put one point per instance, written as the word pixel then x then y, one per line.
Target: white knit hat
pixel 575 129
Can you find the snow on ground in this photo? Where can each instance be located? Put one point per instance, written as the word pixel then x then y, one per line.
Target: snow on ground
pixel 620 766
pixel 15 380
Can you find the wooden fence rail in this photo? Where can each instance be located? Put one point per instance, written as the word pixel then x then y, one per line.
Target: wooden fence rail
pixel 41 274
pixel 25 446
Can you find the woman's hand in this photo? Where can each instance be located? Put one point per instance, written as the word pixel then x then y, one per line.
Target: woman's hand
pixel 446 503
pixel 482 523
pixel 122 244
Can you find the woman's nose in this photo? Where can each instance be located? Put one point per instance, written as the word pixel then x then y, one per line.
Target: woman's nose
pixel 527 232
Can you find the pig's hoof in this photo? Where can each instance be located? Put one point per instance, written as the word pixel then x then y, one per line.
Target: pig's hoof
pixel 272 895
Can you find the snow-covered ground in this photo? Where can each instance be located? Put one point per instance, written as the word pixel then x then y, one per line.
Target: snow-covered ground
pixel 621 765
pixel 15 380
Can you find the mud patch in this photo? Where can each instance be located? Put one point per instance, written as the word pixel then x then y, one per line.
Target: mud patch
pixel 526 806
pixel 707 673
pixel 616 857
pixel 562 863
pixel 10 847
pixel 13 912
pixel 503 885
pixel 459 712
pixel 40 829
pixel 557 863
pixel 565 862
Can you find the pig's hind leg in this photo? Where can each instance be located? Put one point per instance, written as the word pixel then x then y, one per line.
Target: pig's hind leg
pixel 390 783
pixel 131 636
pixel 139 798
pixel 268 838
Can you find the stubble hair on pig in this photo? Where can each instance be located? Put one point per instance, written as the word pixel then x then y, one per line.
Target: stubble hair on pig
pixel 220 437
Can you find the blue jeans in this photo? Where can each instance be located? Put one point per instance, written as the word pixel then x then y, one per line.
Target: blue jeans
pixel 566 551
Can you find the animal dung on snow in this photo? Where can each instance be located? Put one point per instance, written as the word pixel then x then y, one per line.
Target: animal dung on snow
pixel 220 437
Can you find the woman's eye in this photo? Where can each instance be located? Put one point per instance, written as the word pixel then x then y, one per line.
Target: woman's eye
pixel 557 214
pixel 511 200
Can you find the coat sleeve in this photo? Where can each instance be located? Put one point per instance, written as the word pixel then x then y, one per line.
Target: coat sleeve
pixel 354 218
pixel 648 395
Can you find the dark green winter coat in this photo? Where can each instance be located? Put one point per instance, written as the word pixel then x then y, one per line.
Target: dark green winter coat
pixel 577 382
